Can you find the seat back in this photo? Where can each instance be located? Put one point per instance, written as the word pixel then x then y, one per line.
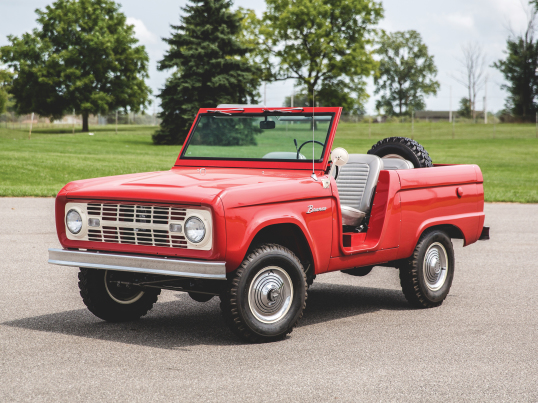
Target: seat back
pixel 357 180
pixel 396 163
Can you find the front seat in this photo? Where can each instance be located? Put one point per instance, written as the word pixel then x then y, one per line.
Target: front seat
pixel 356 182
pixel 396 163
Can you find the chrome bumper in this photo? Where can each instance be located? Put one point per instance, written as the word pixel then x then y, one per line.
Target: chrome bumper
pixel 139 264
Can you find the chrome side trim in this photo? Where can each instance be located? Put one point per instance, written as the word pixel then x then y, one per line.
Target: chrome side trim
pixel 139 264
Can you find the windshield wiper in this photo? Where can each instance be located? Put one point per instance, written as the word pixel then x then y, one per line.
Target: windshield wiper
pixel 287 110
pixel 226 111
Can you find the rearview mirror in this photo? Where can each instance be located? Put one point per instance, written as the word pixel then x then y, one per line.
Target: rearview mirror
pixel 267 124
pixel 339 157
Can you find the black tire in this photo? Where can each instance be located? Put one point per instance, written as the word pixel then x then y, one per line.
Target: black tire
pixel 405 148
pixel 241 317
pixel 110 302
pixel 418 277
pixel 358 271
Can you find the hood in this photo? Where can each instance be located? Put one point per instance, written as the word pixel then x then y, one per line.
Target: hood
pixel 181 184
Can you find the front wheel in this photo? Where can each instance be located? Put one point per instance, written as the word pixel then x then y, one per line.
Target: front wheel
pixel 266 296
pixel 427 276
pixel 109 297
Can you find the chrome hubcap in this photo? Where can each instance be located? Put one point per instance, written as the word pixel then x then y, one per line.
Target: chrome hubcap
pixel 435 266
pixel 270 294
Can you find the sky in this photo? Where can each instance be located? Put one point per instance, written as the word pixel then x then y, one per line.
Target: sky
pixel 445 27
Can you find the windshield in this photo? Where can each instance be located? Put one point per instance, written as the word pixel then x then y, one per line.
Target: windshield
pixel 265 136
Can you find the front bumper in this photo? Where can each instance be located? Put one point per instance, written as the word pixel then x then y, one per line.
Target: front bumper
pixel 139 264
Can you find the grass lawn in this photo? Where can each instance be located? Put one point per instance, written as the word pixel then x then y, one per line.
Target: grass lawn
pixel 508 157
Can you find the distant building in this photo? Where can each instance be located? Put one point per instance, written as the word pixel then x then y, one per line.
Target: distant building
pixel 435 116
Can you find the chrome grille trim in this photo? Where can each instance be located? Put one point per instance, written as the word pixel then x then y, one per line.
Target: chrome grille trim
pixel 136 224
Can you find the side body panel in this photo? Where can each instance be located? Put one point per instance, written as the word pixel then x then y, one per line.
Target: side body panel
pixel 407 203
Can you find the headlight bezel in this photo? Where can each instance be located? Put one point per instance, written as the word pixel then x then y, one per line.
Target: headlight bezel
pixel 200 220
pixel 79 220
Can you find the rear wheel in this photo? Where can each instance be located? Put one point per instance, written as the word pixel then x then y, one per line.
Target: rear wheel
pixel 427 276
pixel 402 147
pixel 266 296
pixel 108 297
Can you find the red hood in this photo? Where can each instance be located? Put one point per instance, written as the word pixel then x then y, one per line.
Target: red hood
pixel 181 184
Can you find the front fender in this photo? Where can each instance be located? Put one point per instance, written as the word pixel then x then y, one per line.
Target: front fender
pixel 243 223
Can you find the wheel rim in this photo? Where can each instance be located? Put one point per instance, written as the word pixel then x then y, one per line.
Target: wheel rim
pixel 435 266
pixel 270 294
pixel 121 295
pixel 395 156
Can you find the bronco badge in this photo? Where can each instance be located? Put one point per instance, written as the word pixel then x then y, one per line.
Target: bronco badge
pixel 312 209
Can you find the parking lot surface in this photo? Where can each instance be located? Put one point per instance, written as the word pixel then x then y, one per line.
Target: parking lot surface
pixel 359 340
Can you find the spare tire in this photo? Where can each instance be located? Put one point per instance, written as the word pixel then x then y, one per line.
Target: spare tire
pixel 402 147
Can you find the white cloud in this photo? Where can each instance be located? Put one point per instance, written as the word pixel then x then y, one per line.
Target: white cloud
pixel 461 20
pixel 144 35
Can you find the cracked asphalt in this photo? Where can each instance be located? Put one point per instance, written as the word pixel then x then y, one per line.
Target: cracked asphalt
pixel 358 341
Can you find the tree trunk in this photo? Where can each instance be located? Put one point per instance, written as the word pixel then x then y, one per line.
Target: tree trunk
pixel 85 126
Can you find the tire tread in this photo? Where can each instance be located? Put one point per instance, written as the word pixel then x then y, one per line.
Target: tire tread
pixel 89 285
pixel 417 149
pixel 229 304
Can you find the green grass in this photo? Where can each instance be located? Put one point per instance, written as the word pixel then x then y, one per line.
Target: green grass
pixel 42 165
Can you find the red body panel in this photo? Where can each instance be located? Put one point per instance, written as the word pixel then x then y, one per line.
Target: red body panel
pixel 247 196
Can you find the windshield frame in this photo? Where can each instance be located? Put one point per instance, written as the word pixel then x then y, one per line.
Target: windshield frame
pixel 319 164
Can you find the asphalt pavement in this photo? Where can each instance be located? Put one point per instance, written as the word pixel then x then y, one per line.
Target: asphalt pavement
pixel 359 340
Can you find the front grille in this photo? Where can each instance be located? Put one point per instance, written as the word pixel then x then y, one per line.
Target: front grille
pixel 136 213
pixel 136 224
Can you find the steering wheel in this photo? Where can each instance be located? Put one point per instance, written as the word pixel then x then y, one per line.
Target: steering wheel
pixel 306 142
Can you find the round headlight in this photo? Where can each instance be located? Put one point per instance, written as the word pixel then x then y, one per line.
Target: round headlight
pixel 194 230
pixel 73 221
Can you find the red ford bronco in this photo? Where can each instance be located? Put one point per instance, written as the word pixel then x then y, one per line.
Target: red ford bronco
pixel 254 209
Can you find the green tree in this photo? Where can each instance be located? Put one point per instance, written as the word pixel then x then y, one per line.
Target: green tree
pixel 519 70
pixel 331 94
pixel 406 73
pixel 465 110
pixel 5 80
pixel 324 45
pixel 209 55
pixel 83 56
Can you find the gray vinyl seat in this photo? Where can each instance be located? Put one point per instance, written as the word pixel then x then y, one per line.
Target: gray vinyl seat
pixel 356 182
pixel 396 163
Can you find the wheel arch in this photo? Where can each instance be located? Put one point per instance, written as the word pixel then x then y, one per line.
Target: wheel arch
pixel 289 235
pixel 453 231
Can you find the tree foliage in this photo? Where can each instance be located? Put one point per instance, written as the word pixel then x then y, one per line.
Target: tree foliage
pixel 519 70
pixel 83 56
pixel 406 73
pixel 330 94
pixel 465 108
pixel 5 80
pixel 322 44
pixel 209 57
